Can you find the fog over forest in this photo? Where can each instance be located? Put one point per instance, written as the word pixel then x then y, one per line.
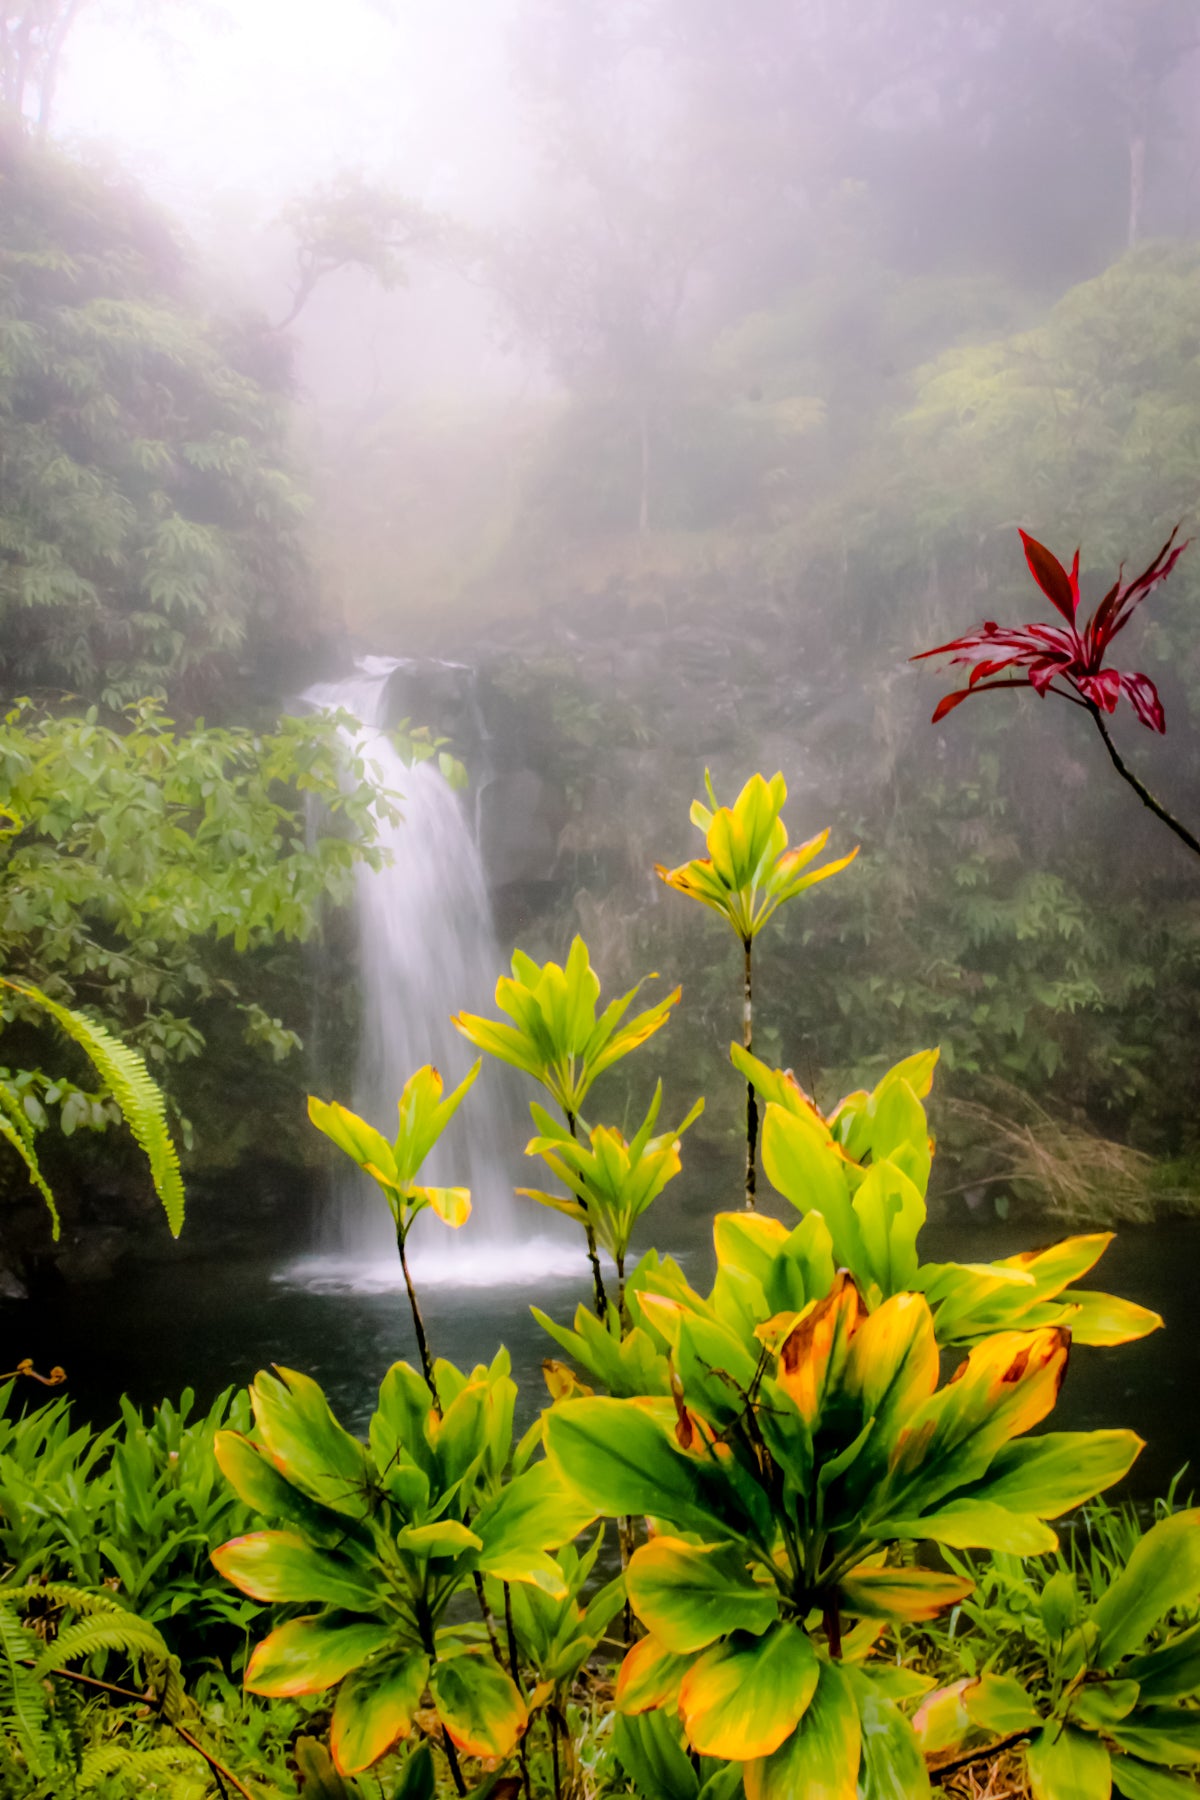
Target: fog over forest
pixel 685 369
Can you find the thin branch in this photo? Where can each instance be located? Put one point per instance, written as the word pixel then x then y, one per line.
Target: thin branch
pixel 1139 787
pixel 419 1326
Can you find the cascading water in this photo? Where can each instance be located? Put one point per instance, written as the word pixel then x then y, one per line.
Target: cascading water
pixel 427 950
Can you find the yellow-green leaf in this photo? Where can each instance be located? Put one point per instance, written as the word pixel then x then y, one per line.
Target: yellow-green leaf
pixel 820 1760
pixel 374 1709
pixel 744 1696
pixel 687 1595
pixel 1065 1764
pixel 308 1655
pixel 478 1704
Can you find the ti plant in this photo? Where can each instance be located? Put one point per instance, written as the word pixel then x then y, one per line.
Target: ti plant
pixel 382 1541
pixel 865 1169
pixel 747 875
pixel 805 1435
pixel 557 1037
pixel 394 1167
pixel 858 1178
pixel 559 1635
pixel 1092 1690
pixel 612 1182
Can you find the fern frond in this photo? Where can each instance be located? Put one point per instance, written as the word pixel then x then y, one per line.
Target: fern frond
pixel 107 1760
pixel 103 1631
pixel 62 1594
pixel 132 1087
pixel 23 1701
pixel 15 1130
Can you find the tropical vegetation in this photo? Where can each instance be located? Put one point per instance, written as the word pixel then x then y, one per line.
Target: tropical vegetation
pixel 838 1564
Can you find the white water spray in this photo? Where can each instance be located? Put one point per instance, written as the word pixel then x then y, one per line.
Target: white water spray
pixel 428 950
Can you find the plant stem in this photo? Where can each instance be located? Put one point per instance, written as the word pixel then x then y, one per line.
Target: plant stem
pixel 833 1631
pixel 485 1613
pixel 460 1786
pixel 593 1253
pixel 751 1099
pixel 514 1669
pixel 552 1726
pixel 1139 787
pixel 418 1325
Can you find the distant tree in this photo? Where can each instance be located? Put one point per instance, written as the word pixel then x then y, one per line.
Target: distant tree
pixel 148 517
pixel 353 223
pixel 33 37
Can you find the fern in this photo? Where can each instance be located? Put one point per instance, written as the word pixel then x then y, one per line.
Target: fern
pixel 134 1090
pixel 106 1631
pixel 22 1701
pixel 17 1131
pixel 138 1766
pixel 63 1595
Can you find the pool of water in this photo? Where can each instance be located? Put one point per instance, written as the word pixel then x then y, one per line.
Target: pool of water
pixel 212 1324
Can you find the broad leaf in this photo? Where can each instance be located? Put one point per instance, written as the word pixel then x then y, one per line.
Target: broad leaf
pixel 478 1704
pixel 820 1760
pixel 688 1595
pixel 743 1697
pixel 1065 1764
pixel 307 1656
pixel 374 1709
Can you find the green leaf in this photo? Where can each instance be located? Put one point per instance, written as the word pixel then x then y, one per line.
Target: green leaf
pixel 892 1767
pixel 820 1761
pixel 1065 1764
pixel 1166 1734
pixel 278 1565
pixel 1172 1671
pixel 478 1704
pixel 446 1537
pixel 1139 1781
pixel 307 1443
pixel 1102 1704
pixel 687 1595
pixel 374 1709
pixel 744 1696
pixel 649 1750
pixel 1000 1704
pixel 975 1524
pixel 907 1594
pixel 1162 1572
pixel 306 1656
pixel 1053 1473
pixel 620 1457
pixel 419 1780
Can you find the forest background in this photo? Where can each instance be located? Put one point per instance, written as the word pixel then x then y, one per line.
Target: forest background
pixel 694 372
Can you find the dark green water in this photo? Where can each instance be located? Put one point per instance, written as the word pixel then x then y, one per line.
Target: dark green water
pixel 208 1325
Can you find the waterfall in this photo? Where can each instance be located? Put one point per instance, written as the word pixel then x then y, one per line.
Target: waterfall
pixel 427 950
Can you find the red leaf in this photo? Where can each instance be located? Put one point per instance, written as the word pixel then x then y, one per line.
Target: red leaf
pixel 1143 697
pixel 948 703
pixel 1050 576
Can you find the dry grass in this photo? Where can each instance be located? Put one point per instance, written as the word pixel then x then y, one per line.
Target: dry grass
pixel 1002 1778
pixel 1067 1170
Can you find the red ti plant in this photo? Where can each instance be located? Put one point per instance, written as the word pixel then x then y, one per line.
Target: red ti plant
pixel 1069 659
